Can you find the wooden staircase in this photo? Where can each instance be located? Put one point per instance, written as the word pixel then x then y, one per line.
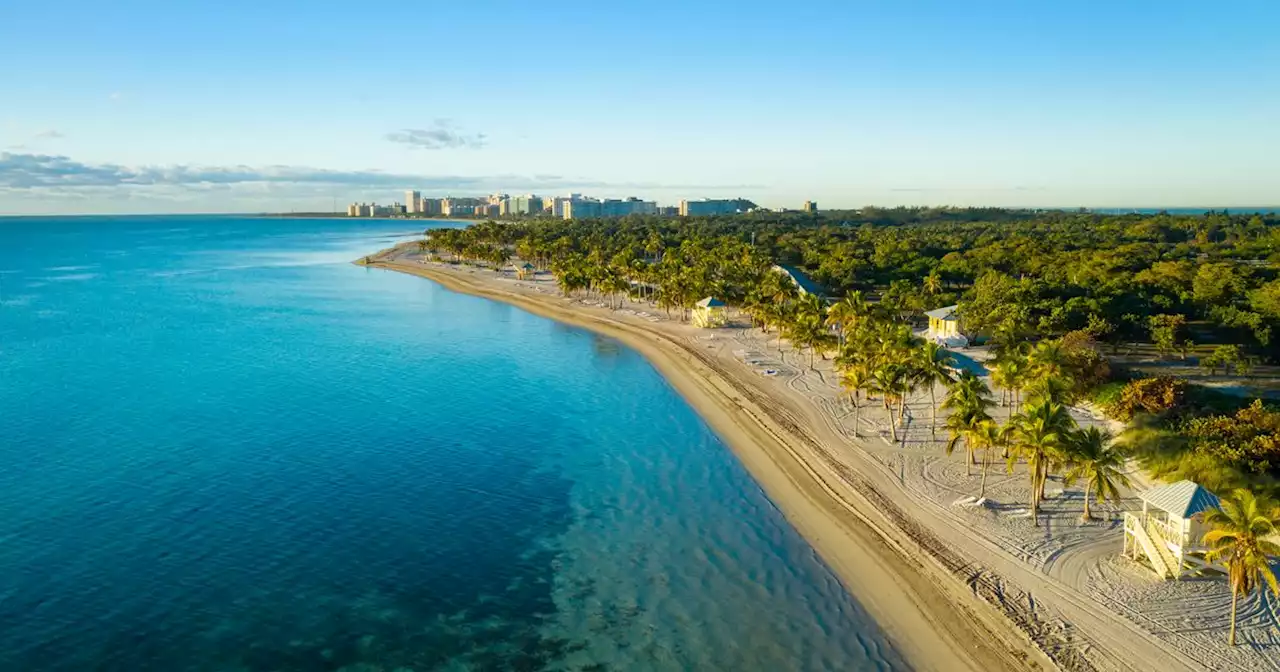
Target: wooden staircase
pixel 1154 546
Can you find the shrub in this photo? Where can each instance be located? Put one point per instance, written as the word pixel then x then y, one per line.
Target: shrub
pixel 1155 396
pixel 1248 440
pixel 1106 395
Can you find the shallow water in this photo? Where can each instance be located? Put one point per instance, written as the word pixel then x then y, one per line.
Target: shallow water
pixel 226 448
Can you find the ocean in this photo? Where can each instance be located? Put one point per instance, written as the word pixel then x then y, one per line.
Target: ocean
pixel 224 447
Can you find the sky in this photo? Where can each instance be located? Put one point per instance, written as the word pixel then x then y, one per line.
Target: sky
pixel 136 106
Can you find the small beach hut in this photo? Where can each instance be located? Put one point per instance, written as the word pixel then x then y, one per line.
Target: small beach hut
pixel 944 326
pixel 709 313
pixel 525 271
pixel 1167 532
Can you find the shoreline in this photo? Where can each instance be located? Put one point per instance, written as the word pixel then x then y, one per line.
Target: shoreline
pixel 912 592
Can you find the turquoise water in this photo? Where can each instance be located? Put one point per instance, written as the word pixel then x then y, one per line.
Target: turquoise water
pixel 226 448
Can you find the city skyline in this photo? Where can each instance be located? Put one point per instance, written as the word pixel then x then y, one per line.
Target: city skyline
pixel 191 109
pixel 571 206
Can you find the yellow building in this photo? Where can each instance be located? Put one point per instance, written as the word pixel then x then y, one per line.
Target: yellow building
pixel 709 313
pixel 944 324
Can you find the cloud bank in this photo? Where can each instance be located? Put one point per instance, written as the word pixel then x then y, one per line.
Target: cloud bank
pixel 54 173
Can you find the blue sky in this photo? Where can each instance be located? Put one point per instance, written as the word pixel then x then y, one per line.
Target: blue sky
pixel 247 106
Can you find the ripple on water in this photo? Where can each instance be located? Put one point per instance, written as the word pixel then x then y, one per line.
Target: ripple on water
pixel 307 465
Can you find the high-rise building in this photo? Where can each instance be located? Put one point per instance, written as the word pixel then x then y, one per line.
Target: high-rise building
pixel 459 207
pixel 524 205
pixel 429 206
pixel 411 201
pixel 714 207
pixel 810 207
pixel 557 205
pixel 364 210
pixel 581 208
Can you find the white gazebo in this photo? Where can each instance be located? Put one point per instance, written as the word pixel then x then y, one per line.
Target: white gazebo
pixel 1168 531
pixel 709 313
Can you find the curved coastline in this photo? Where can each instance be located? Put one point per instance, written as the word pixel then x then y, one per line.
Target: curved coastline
pixel 929 615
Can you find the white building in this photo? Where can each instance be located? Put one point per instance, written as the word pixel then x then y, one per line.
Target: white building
pixel 412 200
pixel 1168 531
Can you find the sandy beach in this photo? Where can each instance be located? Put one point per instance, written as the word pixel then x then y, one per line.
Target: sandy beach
pixel 953 588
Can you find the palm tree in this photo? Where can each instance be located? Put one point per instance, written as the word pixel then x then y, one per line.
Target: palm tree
pixel 1049 387
pixel 1240 539
pixel 1039 436
pixel 1092 456
pixel 1002 376
pixel 968 399
pixel 855 379
pixel 932 366
pixel 846 314
pixel 988 436
pixel 889 379
pixel 968 391
pixel 933 284
pixel 1049 358
pixel 965 425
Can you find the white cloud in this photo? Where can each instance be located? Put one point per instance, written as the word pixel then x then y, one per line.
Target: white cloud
pixel 442 134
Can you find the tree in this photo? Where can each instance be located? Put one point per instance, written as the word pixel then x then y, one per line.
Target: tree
pixel 932 367
pixel 1266 300
pixel 968 399
pixel 1093 458
pixel 1239 538
pixel 965 424
pixel 932 284
pixel 854 380
pixel 1038 436
pixel 1167 333
pixel 846 314
pixel 890 380
pixel 988 436
pixel 1227 356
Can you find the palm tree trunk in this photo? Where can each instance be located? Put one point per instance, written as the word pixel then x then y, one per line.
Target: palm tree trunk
pixel 1035 494
pixel 1235 594
pixel 1035 510
pixel 1088 490
pixel 933 412
pixel 856 407
pixel 986 460
pixel 893 430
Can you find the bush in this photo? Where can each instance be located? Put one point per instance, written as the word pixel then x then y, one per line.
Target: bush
pixel 1107 394
pixel 1155 396
pixel 1248 440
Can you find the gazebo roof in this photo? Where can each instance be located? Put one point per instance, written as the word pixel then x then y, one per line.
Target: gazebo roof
pixel 527 266
pixel 947 313
pixel 711 302
pixel 1182 499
